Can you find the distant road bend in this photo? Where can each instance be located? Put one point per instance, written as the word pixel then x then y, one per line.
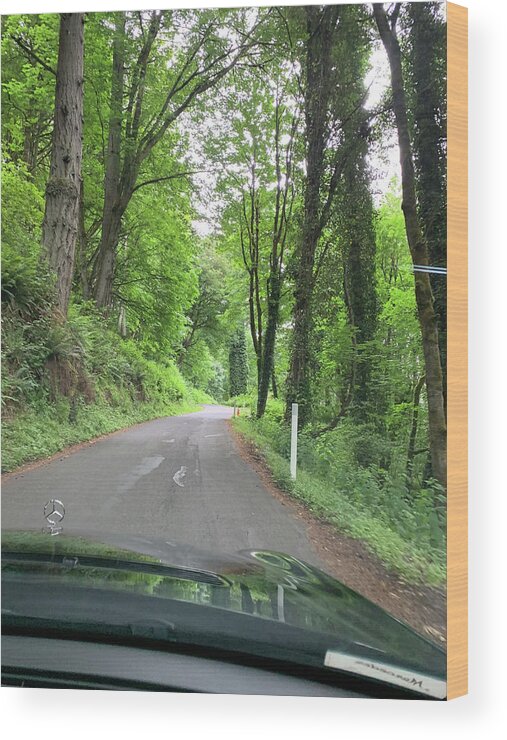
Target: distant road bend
pixel 180 478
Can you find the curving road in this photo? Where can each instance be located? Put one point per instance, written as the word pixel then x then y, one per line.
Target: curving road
pixel 180 478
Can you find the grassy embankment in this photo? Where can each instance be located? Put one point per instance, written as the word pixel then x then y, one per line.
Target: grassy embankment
pixel 401 528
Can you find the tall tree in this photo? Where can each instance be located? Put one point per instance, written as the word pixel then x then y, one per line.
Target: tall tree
pixel 251 252
pixel 418 247
pixel 355 226
pixel 265 222
pixel 205 60
pixel 284 201
pixel 112 207
pixel 321 25
pixel 360 289
pixel 427 60
pixel 61 218
pixel 330 104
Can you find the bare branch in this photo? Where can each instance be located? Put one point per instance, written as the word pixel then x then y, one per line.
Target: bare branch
pixel 394 16
pixel 30 53
pixel 165 178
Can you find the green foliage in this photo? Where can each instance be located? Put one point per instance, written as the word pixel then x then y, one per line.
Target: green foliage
pixel 217 384
pixel 246 401
pixel 157 279
pixel 26 286
pixel 22 210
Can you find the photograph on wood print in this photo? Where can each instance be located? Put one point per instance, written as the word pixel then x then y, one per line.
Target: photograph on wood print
pixel 226 354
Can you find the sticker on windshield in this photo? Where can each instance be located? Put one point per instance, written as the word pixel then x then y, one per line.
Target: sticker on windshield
pixel 384 672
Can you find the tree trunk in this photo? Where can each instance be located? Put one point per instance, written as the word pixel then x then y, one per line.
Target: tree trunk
pixel 106 258
pixel 31 140
pixel 112 210
pixel 268 353
pixel 427 53
pixel 249 238
pixel 360 288
pixel 61 218
pixel 419 252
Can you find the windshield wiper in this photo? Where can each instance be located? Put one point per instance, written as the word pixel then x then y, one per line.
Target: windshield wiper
pixel 88 561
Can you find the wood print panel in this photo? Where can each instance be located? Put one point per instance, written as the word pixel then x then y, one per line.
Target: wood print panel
pixel 457 356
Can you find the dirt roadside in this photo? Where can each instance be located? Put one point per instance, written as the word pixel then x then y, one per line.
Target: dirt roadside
pixel 352 563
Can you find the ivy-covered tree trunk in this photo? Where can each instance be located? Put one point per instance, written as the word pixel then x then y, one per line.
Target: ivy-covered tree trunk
pixel 320 24
pixel 360 288
pixel 61 218
pixel 238 364
pixel 419 252
pixel 427 58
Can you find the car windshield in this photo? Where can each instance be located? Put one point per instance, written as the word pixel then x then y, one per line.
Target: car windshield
pixel 224 375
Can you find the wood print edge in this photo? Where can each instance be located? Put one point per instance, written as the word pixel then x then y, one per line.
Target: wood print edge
pixel 457 351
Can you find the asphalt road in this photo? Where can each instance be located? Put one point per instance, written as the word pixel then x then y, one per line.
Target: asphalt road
pixel 180 478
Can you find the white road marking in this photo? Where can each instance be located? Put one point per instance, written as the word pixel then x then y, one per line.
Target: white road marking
pixel 177 477
pixel 214 435
pixel 168 440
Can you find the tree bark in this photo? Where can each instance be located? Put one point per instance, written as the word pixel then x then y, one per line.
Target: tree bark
pixel 360 286
pixel 419 252
pixel 61 218
pixel 112 210
pixel 81 248
pixel 427 53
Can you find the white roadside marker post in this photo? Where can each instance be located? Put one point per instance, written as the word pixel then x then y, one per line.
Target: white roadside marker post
pixel 294 441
